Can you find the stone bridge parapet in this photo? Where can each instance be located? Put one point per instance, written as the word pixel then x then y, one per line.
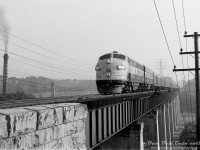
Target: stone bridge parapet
pixel 53 126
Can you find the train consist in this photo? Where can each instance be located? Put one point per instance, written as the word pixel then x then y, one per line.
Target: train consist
pixel 118 73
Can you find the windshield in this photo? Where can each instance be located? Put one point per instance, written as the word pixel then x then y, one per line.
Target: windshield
pixel 119 56
pixel 107 56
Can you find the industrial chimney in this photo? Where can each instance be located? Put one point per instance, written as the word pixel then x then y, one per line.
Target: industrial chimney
pixel 5 73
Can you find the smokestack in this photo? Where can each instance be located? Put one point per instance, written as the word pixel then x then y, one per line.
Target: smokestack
pixel 5 73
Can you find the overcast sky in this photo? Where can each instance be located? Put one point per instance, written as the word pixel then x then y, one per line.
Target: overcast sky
pixel 83 30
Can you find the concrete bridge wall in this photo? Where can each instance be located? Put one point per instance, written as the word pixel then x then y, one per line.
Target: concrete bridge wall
pixel 56 126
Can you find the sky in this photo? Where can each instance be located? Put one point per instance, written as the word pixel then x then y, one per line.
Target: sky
pixel 74 33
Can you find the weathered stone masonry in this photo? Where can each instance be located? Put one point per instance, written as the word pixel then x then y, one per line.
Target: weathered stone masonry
pixel 55 126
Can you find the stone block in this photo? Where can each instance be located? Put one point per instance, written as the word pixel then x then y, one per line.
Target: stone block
pixel 49 135
pixel 73 111
pixel 80 125
pixel 3 127
pixel 58 113
pixel 47 117
pixel 20 120
pixel 79 138
pixel 80 111
pixel 38 138
pixel 56 145
pixel 41 137
pixel 58 131
pixel 69 128
pixel 68 143
pixel 68 113
pixel 24 141
pixel 8 143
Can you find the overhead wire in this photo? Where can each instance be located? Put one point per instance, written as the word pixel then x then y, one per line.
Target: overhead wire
pixel 48 69
pixel 24 73
pixel 69 73
pixel 48 50
pixel 178 33
pixel 45 64
pixel 183 9
pixel 41 54
pixel 44 68
pixel 163 32
pixel 168 49
pixel 184 19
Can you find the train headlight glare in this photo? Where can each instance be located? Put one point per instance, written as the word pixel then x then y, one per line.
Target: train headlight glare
pixel 108 61
pixel 97 68
pixel 121 67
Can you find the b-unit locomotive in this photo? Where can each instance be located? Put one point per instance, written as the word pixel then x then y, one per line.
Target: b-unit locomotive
pixel 118 73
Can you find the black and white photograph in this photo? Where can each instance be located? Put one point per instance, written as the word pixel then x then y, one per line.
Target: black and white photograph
pixel 99 75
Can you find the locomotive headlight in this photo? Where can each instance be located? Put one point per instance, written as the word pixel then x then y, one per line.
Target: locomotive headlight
pixel 121 67
pixel 108 61
pixel 97 68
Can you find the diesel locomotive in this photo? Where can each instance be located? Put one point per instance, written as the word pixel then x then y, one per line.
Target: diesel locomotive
pixel 118 73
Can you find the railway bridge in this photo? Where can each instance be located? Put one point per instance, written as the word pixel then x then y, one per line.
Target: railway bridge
pixel 86 122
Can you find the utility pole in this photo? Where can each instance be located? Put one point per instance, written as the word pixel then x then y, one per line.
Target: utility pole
pixel 52 89
pixel 196 69
pixel 161 67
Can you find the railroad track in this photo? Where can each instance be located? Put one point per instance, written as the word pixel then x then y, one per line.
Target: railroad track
pixel 42 101
pixel 66 99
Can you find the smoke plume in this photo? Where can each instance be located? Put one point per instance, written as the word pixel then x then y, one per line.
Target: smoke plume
pixel 4 28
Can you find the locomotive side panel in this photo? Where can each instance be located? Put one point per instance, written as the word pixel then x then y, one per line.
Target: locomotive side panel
pixel 148 76
pixel 136 72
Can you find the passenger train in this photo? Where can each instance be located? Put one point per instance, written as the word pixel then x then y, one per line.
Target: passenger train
pixel 118 73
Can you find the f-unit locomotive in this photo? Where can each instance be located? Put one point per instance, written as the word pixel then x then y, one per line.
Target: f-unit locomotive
pixel 118 73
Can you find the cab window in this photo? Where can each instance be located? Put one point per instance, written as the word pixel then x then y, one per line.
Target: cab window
pixel 107 56
pixel 119 56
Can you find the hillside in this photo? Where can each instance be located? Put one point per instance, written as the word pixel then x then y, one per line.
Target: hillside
pixel 41 86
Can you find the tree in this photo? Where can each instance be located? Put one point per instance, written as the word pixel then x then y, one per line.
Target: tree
pixel 188 134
